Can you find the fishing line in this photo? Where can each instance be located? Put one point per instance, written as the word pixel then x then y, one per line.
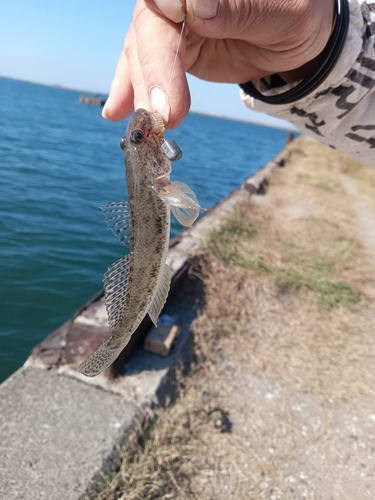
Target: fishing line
pixel 170 148
pixel 175 57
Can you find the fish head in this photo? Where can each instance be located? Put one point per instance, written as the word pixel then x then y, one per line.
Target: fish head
pixel 143 139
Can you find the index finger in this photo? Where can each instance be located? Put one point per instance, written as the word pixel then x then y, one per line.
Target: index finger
pixel 161 63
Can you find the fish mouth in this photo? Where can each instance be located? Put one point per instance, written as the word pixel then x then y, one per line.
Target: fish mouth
pixel 157 124
pixel 149 122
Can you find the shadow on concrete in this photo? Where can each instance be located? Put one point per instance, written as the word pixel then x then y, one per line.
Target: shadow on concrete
pixel 183 307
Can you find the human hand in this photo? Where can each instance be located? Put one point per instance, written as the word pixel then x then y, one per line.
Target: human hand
pixel 232 41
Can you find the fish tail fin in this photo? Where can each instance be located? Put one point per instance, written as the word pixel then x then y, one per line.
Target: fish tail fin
pixel 182 201
pixel 102 358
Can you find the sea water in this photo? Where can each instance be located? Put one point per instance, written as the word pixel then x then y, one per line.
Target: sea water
pixel 59 160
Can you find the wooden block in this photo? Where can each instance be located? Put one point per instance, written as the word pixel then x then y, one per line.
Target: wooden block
pixel 160 340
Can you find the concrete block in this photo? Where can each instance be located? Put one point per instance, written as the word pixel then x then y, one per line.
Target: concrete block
pixel 160 340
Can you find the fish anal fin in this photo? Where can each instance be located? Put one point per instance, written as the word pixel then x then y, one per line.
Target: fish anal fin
pixel 161 295
pixel 115 289
pixel 102 358
pixel 118 219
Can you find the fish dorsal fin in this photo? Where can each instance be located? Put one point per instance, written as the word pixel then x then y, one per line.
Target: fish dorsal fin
pixel 115 287
pixel 160 295
pixel 117 218
pixel 183 202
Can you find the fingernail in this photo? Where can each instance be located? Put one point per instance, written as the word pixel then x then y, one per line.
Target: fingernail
pixel 205 9
pixel 105 108
pixel 172 10
pixel 160 103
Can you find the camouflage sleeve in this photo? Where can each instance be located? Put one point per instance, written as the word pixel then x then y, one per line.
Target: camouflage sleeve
pixel 341 112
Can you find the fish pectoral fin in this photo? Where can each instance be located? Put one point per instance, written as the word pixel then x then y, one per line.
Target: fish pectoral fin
pixel 160 295
pixel 117 217
pixel 185 216
pixel 183 202
pixel 102 358
pixel 115 289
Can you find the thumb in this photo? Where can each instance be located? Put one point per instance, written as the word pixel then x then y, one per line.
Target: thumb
pixel 212 18
pixel 202 9
pixel 222 19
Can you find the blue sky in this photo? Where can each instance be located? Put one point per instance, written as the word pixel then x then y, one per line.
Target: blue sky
pixel 76 44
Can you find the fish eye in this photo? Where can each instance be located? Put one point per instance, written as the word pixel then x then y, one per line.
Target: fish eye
pixel 136 136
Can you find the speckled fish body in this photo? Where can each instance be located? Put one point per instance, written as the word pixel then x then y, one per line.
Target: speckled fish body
pixel 139 283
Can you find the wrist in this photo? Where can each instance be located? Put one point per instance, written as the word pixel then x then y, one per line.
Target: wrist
pixel 324 66
pixel 319 40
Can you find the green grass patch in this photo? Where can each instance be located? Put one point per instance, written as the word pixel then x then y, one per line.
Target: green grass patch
pixel 320 182
pixel 223 241
pixel 321 222
pixel 315 273
pixel 294 254
pixel 329 292
pixel 345 249
pixel 352 167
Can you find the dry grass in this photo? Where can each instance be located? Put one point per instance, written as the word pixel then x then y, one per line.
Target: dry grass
pixel 314 248
pixel 163 459
pixel 284 354
pixel 320 262
pixel 364 178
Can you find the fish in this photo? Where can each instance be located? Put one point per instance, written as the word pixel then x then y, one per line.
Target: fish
pixel 138 283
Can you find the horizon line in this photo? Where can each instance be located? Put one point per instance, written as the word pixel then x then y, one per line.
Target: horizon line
pixel 291 128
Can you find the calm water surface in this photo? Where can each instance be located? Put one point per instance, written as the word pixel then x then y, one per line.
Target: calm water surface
pixel 59 160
